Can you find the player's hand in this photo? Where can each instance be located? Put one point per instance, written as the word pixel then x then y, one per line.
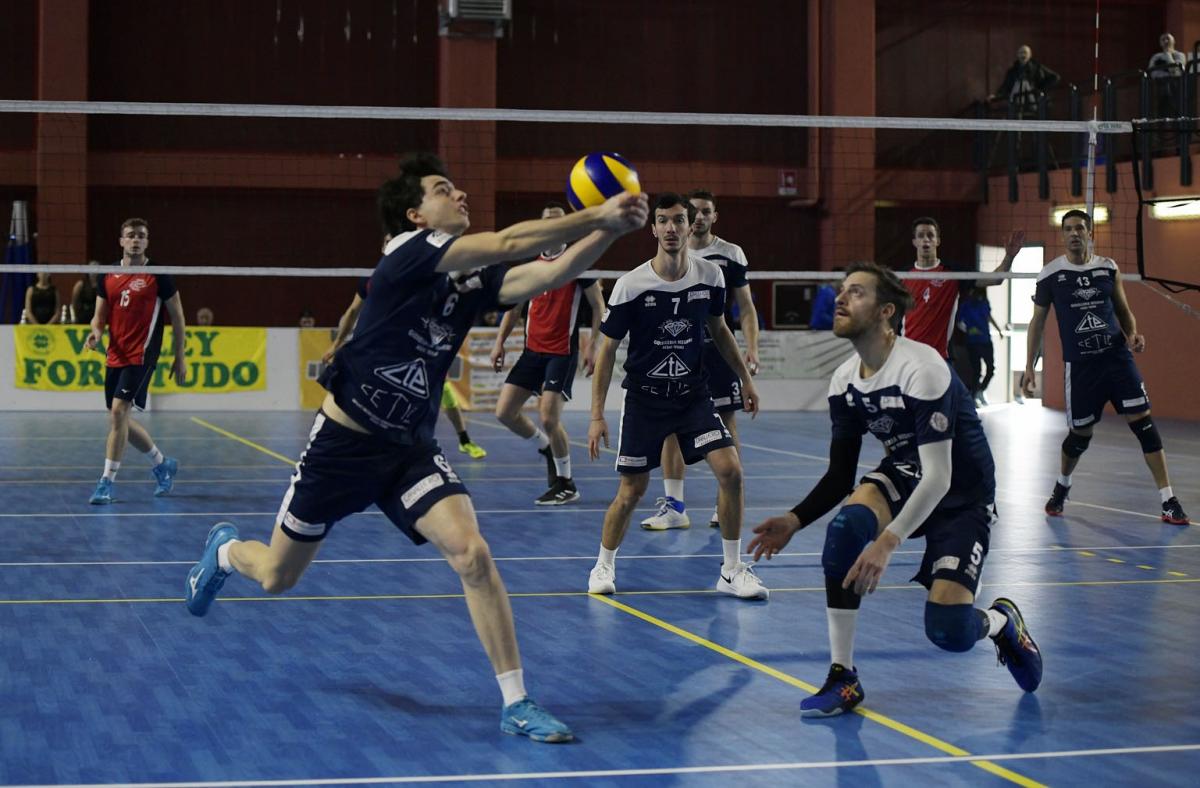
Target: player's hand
pixel 1137 343
pixel 597 431
pixel 179 370
pixel 624 212
pixel 1014 244
pixel 93 339
pixel 589 362
pixel 772 535
pixel 750 402
pixel 1027 381
pixel 752 362
pixel 864 576
pixel 497 357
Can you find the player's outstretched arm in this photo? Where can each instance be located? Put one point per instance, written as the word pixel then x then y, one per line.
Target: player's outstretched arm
pixel 522 282
pixel 523 240
pixel 1012 248
pixel 606 358
pixel 1033 346
pixel 178 325
pixel 727 346
pixel 1136 341
pixel 347 321
pixel 506 326
pixel 595 297
pixel 99 321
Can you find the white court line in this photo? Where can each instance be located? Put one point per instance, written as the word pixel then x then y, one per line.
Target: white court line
pixel 739 768
pixel 655 557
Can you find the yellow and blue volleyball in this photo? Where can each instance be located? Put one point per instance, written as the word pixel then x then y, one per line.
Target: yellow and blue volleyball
pixel 598 176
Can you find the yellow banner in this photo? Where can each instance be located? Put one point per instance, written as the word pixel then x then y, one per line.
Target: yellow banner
pixel 219 360
pixel 313 344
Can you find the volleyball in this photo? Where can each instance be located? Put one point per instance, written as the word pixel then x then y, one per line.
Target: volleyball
pixel 598 176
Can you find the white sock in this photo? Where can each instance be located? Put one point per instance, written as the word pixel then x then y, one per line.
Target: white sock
pixel 1166 493
pixel 562 466
pixel 512 686
pixel 110 470
pixel 996 621
pixel 543 440
pixel 842 624
pixel 733 553
pixel 223 556
pixel 156 456
pixel 674 488
pixel 607 557
pixel 1065 481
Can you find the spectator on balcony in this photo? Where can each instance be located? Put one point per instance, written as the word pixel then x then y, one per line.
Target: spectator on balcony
pixel 1025 80
pixel 1165 68
pixel 42 305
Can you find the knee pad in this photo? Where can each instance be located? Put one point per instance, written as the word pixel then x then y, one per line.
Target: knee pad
pixel 845 537
pixel 1074 445
pixel 1147 434
pixel 953 627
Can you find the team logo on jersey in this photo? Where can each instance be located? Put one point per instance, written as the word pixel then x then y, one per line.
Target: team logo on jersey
pixel 698 295
pixel 891 402
pixel 1090 323
pixel 670 367
pixel 137 285
pixel 607 312
pixel 410 377
pixel 1061 278
pixel 438 238
pixel 438 332
pixel 1095 342
pixel 649 301
pixel 707 438
pixel 882 425
pixel 939 421
pixel 1086 293
pixel 675 327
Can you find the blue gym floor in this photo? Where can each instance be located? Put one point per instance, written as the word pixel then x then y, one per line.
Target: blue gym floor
pixel 369 671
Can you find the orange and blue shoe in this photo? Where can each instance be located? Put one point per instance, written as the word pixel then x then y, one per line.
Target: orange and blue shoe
pixel 1015 647
pixel 840 693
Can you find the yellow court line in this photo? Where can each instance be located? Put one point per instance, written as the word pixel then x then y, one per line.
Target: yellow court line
pixel 244 441
pixel 786 678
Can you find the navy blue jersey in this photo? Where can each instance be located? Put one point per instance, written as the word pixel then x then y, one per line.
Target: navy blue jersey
pixel 1082 296
pixel 734 267
pixel 363 285
pixel 389 376
pixel 914 399
pixel 665 323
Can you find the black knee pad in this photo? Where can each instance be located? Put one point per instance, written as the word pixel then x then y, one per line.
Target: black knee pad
pixel 1147 434
pixel 1074 445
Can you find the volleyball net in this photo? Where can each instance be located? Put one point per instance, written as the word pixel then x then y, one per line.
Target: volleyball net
pixel 266 213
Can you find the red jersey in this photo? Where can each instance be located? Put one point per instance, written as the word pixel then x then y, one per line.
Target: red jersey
pixel 931 318
pixel 135 320
pixel 550 327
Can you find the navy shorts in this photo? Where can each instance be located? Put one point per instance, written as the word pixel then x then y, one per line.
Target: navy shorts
pixel 956 540
pixel 128 383
pixel 342 472
pixel 647 420
pixel 723 383
pixel 1112 377
pixel 538 372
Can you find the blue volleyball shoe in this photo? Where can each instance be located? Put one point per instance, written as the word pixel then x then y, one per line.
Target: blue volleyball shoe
pixel 164 475
pixel 840 693
pixel 527 718
pixel 103 494
pixel 1015 647
pixel 206 577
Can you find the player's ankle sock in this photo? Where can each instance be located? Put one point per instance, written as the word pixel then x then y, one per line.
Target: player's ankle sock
pixel 562 466
pixel 673 488
pixel 842 624
pixel 223 555
pixel 154 455
pixel 110 470
pixel 463 438
pixel 512 686
pixel 607 557
pixel 1166 493
pixel 995 621
pixel 732 548
pixel 1065 481
pixel 543 440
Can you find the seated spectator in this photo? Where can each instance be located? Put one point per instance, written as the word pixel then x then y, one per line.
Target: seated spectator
pixel 42 305
pixel 1024 81
pixel 307 319
pixel 83 297
pixel 1165 67
pixel 204 316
